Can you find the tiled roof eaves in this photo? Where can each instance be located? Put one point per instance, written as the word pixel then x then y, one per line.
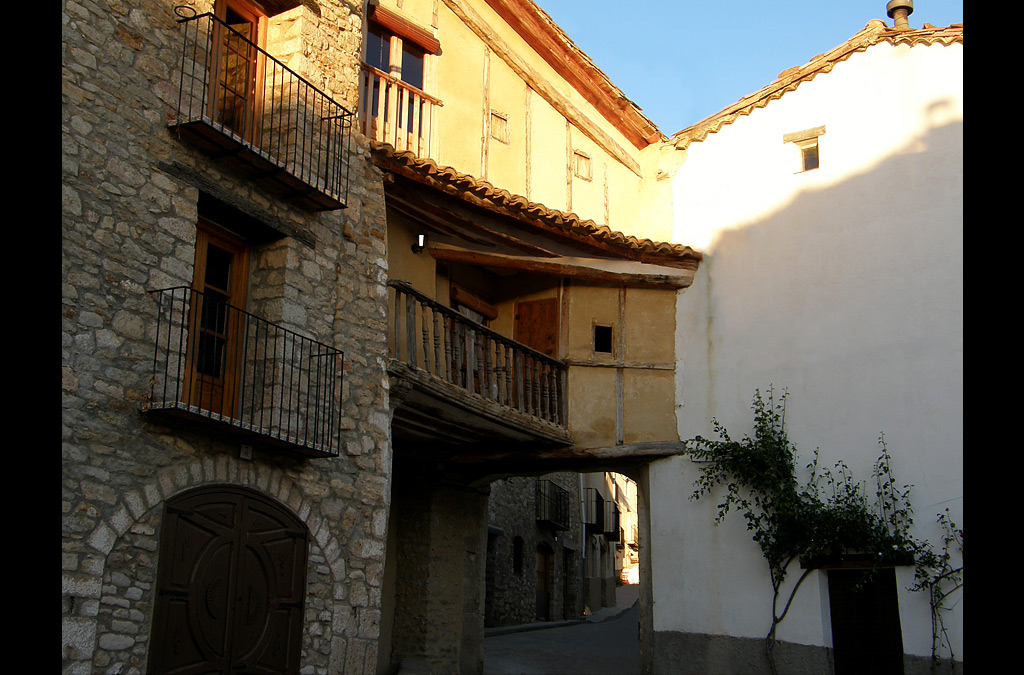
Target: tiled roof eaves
pixel 875 32
pixel 570 225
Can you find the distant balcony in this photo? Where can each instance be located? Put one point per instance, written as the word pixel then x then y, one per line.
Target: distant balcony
pixel 476 383
pixel 552 505
pixel 220 365
pixel 239 103
pixel 611 521
pixel 593 511
pixel 395 112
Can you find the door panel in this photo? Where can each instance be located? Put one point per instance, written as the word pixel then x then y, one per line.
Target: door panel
pixel 866 632
pixel 537 325
pixel 215 323
pixel 231 585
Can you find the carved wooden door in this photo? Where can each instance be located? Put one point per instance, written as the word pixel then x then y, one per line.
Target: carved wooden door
pixel 231 585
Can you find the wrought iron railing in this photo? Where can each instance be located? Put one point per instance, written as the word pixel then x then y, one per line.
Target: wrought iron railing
pixel 552 504
pixel 593 511
pixel 431 337
pixel 233 86
pixel 216 361
pixel 396 112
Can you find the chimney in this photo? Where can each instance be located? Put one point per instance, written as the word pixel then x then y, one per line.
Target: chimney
pixel 898 11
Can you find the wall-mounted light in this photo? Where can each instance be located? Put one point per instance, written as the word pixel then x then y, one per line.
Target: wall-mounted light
pixel 421 243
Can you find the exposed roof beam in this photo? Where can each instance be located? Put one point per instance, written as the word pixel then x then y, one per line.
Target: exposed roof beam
pixel 457 225
pixel 618 272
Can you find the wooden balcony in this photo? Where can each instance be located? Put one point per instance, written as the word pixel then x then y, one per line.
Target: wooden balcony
pixel 223 367
pixel 396 113
pixel 461 383
pixel 245 107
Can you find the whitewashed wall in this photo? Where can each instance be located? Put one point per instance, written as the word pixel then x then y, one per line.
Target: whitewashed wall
pixel 843 285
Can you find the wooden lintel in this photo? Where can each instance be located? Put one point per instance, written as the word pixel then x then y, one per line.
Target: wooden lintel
pixel 572 458
pixel 628 365
pixel 561 269
pixel 535 81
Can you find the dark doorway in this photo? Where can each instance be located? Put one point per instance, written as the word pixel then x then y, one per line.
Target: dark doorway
pixel 544 556
pixel 866 634
pixel 231 584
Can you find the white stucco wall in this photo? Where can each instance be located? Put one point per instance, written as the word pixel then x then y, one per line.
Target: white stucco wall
pixel 843 285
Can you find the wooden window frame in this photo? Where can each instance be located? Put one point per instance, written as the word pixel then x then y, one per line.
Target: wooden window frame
pixel 500 132
pixel 584 170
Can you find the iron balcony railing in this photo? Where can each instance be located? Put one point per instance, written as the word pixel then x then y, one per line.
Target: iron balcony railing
pixel 552 504
pixel 215 361
pixel 266 116
pixel 611 521
pixel 431 337
pixel 593 511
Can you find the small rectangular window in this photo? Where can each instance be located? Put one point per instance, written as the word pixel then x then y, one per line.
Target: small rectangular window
pixel 581 165
pixel 806 142
pixel 499 126
pixel 602 339
pixel 809 156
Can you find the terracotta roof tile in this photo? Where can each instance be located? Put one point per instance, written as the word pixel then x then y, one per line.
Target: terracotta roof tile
pixel 531 213
pixel 875 32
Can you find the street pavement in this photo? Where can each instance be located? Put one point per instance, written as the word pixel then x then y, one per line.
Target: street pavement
pixel 607 643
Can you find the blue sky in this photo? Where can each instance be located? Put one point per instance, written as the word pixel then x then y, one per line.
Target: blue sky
pixel 684 60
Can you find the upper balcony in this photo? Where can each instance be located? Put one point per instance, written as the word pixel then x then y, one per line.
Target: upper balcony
pixel 219 365
pixel 552 504
pixel 395 112
pixel 461 383
pixel 242 105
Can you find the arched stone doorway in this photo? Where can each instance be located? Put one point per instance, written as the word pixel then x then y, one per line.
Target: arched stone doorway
pixel 231 584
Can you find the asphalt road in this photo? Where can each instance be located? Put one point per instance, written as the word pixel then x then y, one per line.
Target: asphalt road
pixel 611 647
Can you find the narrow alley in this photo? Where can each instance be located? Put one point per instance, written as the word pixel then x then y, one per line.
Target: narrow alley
pixel 606 644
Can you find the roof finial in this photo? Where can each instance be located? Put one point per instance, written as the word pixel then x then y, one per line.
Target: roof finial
pixel 898 11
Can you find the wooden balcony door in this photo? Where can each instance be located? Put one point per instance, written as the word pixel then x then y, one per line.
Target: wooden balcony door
pixel 237 78
pixel 216 322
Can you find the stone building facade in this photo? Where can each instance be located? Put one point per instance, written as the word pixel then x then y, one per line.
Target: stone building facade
pixel 136 197
pixel 533 555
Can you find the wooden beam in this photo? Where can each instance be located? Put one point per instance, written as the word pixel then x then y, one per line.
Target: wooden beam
pixel 564 267
pixel 630 365
pixel 452 223
pixel 535 81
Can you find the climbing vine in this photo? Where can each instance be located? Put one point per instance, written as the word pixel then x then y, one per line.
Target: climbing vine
pixel 830 515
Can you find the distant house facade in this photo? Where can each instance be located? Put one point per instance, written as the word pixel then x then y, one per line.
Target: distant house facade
pixel 829 206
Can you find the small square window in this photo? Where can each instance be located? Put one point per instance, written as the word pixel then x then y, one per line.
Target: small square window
pixel 499 127
pixel 581 165
pixel 602 339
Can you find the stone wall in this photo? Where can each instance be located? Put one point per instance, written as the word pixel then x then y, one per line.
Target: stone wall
pixel 130 203
pixel 512 595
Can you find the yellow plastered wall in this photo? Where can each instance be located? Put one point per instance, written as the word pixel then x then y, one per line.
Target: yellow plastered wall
pixel 471 80
pixel 638 375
